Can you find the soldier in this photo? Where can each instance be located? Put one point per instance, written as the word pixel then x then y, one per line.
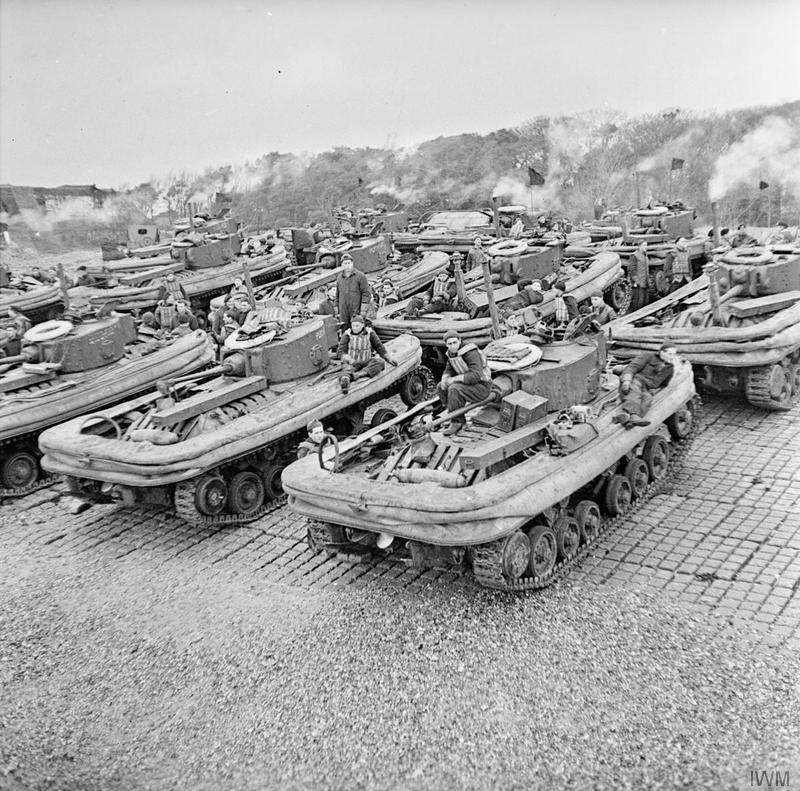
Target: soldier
pixel 638 272
pixel 352 293
pixel 387 294
pixel 357 350
pixel 476 254
pixel 183 327
pixel 529 292
pixel 566 305
pixel 327 306
pixel 466 378
pixel 605 313
pixel 171 286
pixel 83 278
pixel 311 444
pixel 646 373
pixel 148 326
pixel 437 298
pixel 165 312
pixel 182 309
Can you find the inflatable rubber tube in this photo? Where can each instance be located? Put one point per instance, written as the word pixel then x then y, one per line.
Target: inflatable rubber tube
pixel 509 247
pixel 47 331
pixel 749 255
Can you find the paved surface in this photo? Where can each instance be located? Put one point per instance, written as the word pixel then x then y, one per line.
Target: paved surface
pixel 725 542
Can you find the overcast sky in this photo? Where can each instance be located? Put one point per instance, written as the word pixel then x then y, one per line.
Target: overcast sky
pixel 114 92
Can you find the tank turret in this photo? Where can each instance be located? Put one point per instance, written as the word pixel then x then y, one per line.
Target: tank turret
pixel 759 271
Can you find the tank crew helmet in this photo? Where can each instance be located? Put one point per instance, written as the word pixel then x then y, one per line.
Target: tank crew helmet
pixel 536 285
pixel 357 319
pixel 560 287
pixel 451 334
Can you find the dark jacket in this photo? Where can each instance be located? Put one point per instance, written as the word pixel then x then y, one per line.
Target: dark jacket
pixel 474 360
pixel 649 368
pixel 351 293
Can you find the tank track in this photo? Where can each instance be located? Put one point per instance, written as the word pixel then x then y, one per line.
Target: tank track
pixel 487 559
pixel 626 303
pixel 757 387
pixel 184 491
pixel 45 479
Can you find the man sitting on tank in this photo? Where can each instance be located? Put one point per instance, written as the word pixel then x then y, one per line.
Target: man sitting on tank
pixel 439 297
pixel 466 378
pixel 604 313
pixel 529 292
pixel 640 379
pixel 566 306
pixel 358 349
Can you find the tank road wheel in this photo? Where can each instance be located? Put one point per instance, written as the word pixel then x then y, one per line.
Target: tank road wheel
pixel 417 386
pixel 543 550
pixel 638 476
pixel 271 478
pixel 568 537
pixel 210 495
pixel 516 553
pixel 619 295
pixel 618 495
pixel 680 423
pixel 587 515
pixel 656 455
pixel 20 469
pixel 794 379
pixel 382 416
pixel 245 493
pixel 769 387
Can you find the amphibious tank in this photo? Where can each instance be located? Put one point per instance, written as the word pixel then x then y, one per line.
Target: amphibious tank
pixel 38 301
pixel 519 494
pixel 738 324
pixel 582 277
pixel 214 445
pixel 66 368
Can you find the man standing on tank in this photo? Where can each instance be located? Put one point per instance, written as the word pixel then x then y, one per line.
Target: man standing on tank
pixel 352 293
pixel 638 271
pixel 466 378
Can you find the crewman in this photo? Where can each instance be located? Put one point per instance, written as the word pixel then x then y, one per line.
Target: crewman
pixel 361 351
pixel 327 306
pixel 466 378
pixel 605 313
pixel 476 255
pixel 352 293
pixel 316 432
pixel 170 285
pixel 165 312
pixel 387 294
pixel 643 376
pixel 638 272
pixel 83 278
pixel 566 306
pixel 183 327
pixel 437 298
pixel 517 229
pixel 529 292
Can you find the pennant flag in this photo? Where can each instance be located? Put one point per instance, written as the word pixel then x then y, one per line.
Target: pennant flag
pixel 360 181
pixel 536 178
pixel 677 164
pixel 762 185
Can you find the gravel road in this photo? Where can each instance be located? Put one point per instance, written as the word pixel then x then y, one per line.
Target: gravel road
pixel 120 675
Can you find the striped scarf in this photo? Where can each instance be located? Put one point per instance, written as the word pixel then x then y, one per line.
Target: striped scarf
pixel 562 314
pixel 360 347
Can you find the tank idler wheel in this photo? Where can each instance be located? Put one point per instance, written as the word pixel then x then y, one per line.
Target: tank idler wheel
pixel 618 495
pixel 587 515
pixel 543 550
pixel 271 478
pixel 568 537
pixel 619 295
pixel 211 495
pixel 245 493
pixel 681 422
pixel 417 386
pixel 656 455
pixel 516 554
pixel 638 475
pixel 20 469
pixel 769 387
pixel 382 416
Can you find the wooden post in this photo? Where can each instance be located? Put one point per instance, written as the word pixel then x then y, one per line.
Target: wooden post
pixel 191 215
pixel 715 223
pixel 248 284
pixel 638 190
pixel 487 280
pixel 711 270
pixel 62 282
pixel 496 216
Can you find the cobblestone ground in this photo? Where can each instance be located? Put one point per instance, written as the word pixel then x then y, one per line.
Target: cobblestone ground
pixel 724 542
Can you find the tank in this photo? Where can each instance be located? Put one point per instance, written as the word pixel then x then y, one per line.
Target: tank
pixel 39 302
pixel 602 272
pixel 738 324
pixel 521 493
pixel 138 280
pixel 67 368
pixel 213 446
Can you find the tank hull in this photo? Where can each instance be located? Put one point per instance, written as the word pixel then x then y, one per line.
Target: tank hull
pixel 282 411
pixel 37 303
pixel 479 513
